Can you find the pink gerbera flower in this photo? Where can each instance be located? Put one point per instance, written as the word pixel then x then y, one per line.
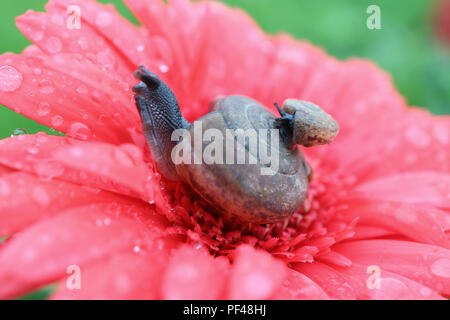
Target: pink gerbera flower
pixel 379 200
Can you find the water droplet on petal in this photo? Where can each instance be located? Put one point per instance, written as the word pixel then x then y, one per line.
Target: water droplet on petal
pixel 43 109
pixel 425 291
pixel 41 196
pixel 41 137
pixel 83 43
pixel 4 188
pixel 57 19
pixel 136 249
pixel 107 221
pixel 48 168
pixel 82 89
pixel 33 150
pixel 46 86
pixel 10 79
pixel 53 45
pixel 106 60
pixel 37 71
pixel 258 283
pixel 441 133
pixel 35 35
pixel 198 245
pixel 80 131
pixel 140 48
pixel 103 19
pixel 163 68
pixel 441 268
pixel 57 120
pixel 18 132
pixel 417 137
pixel 76 152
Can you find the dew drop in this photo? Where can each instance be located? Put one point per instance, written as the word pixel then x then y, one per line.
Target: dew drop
pixel 82 89
pixel 106 59
pixel 43 109
pixel 136 249
pixel 198 245
pixel 441 268
pixel 76 152
pixel 18 132
pixel 35 35
pixel 10 79
pixel 425 291
pixel 103 19
pixel 441 133
pixel 163 68
pixel 258 283
pixel 57 120
pixel 40 196
pixel 417 137
pixel 46 86
pixel 41 137
pixel 140 48
pixel 33 150
pixel 83 43
pixel 79 131
pixel 48 168
pixel 53 45
pixel 57 19
pixel 4 188
pixel 37 71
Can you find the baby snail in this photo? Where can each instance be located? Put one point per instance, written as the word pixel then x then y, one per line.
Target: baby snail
pixel 236 189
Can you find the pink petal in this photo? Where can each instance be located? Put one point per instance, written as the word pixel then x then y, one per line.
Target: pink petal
pixel 81 236
pixel 194 274
pixel 106 25
pixel 299 287
pixel 430 188
pixel 403 146
pixel 99 165
pixel 364 232
pixel 54 93
pixel 335 258
pixel 426 264
pixel 25 199
pixel 126 275
pixel 392 286
pixel 255 274
pixel 331 281
pixel 5 170
pixel 416 221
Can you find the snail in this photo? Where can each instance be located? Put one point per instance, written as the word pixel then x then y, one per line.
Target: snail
pixel 235 189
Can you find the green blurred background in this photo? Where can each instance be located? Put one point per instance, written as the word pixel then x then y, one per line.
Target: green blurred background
pixel 405 45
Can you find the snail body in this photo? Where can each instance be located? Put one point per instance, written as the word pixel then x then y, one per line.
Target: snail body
pixel 252 191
